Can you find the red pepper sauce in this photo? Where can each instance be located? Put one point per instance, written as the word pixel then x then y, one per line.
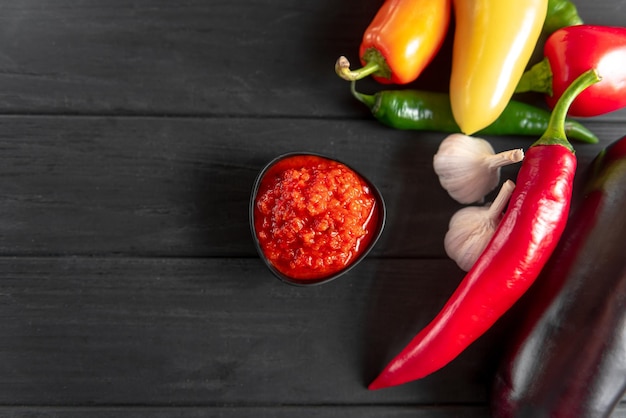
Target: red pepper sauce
pixel 313 216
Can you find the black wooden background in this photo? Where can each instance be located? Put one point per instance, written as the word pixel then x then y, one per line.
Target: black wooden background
pixel 130 135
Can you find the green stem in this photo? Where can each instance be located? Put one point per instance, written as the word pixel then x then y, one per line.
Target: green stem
pixel 342 68
pixel 375 64
pixel 368 99
pixel 538 79
pixel 555 132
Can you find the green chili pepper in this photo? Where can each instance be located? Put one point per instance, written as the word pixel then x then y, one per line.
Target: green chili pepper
pixel 561 13
pixel 431 111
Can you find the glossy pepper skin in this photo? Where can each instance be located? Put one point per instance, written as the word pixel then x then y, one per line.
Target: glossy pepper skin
pixel 520 247
pixel 430 111
pixel 401 41
pixel 569 52
pixel 568 358
pixel 561 13
pixel 493 42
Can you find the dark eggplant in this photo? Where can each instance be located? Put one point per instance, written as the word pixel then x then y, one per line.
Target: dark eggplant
pixel 568 358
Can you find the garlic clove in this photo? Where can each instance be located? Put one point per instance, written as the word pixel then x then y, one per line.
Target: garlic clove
pixel 468 167
pixel 464 245
pixel 471 228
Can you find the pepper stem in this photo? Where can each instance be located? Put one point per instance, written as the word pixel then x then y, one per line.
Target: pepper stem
pixel 501 200
pixel 505 158
pixel 537 78
pixel 375 64
pixel 342 68
pixel 368 100
pixel 555 132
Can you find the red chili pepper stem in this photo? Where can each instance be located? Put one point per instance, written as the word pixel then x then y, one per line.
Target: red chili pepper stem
pixel 536 79
pixel 374 64
pixel 555 132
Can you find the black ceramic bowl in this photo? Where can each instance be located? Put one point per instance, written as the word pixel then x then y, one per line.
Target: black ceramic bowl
pixel 374 230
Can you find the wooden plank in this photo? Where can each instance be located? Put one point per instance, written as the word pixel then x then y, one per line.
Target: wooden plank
pixel 181 186
pixel 271 57
pixel 372 411
pixel 223 332
pixel 120 331
pixel 194 57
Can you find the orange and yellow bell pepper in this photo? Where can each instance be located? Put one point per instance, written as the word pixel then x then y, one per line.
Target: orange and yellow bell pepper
pixel 400 41
pixel 493 42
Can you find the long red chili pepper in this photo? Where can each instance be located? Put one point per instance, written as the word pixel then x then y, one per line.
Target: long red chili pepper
pixel 525 238
pixel 569 52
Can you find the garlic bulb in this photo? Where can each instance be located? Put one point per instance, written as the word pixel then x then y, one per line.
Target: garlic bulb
pixel 468 168
pixel 472 227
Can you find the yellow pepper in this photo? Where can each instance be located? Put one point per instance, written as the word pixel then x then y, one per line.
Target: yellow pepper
pixel 493 42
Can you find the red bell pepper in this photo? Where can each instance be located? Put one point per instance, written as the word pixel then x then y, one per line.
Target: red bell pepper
pixel 572 50
pixel 520 247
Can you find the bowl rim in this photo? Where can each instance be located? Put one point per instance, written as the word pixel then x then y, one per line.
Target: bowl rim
pixel 382 219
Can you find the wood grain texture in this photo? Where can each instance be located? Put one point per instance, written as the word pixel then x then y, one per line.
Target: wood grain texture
pixel 201 57
pixel 197 57
pixel 371 411
pixel 211 331
pixel 181 186
pixel 222 337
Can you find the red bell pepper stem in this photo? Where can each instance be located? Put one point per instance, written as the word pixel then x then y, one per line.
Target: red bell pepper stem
pixel 537 78
pixel 523 242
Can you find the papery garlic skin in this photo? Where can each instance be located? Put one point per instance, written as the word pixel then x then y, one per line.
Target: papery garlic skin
pixel 471 228
pixel 462 244
pixel 468 167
